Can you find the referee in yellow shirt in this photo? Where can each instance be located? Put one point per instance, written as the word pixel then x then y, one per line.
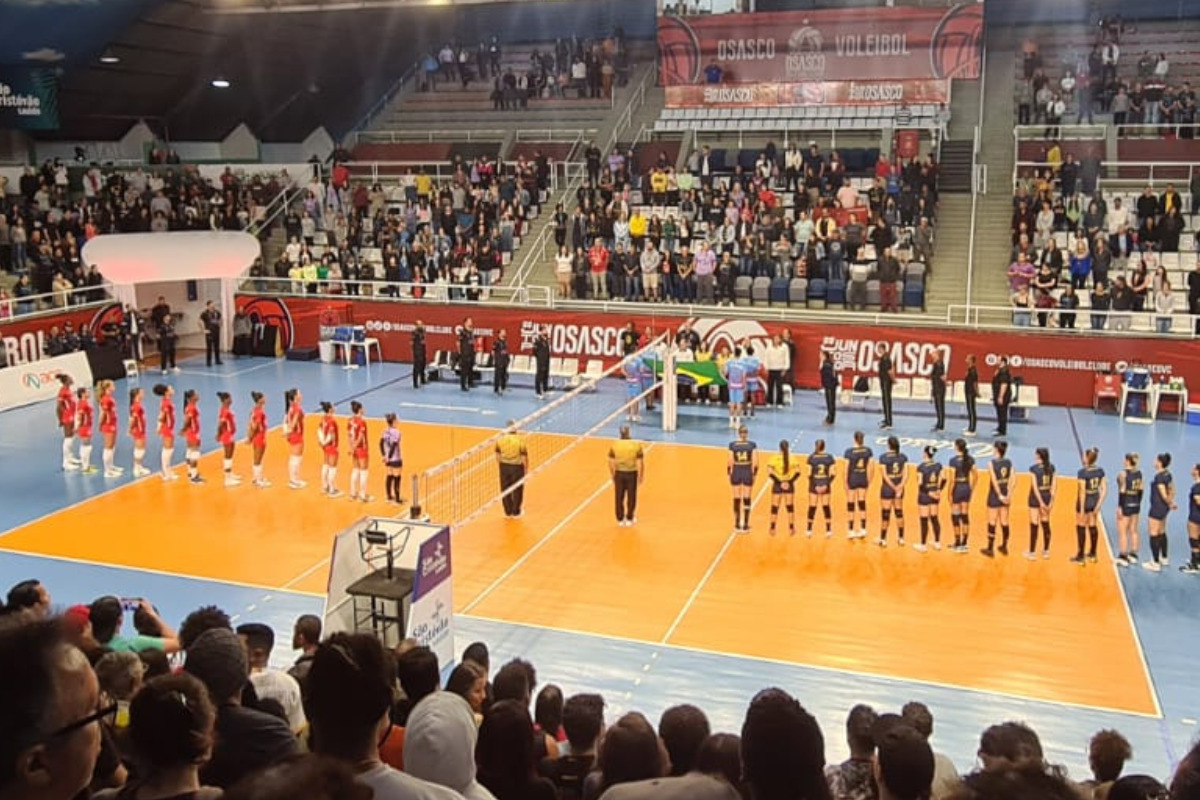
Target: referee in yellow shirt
pixel 513 457
pixel 627 465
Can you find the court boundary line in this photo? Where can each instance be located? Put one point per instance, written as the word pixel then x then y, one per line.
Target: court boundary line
pixel 815 667
pixel 189 371
pixel 554 531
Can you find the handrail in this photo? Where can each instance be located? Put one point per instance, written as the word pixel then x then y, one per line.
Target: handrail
pixel 975 162
pixel 396 136
pixel 637 99
pixel 273 210
pixel 1178 172
pixel 1100 130
pixel 552 134
pixel 9 307
pixel 1142 323
pixel 454 293
pixel 384 101
pixel 443 170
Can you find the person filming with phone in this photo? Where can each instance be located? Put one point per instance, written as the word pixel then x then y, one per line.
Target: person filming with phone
pixel 107 615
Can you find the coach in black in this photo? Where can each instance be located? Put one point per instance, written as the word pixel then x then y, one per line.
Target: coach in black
pixel 420 357
pixel 1002 395
pixel 829 385
pixel 500 363
pixel 210 318
pixel 541 362
pixel 971 395
pixel 937 380
pixel 466 354
pixel 885 385
pixel 629 340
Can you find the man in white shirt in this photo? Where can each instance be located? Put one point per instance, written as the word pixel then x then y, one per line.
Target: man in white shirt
pixel 1118 217
pixel 777 363
pixel 847 196
pixel 271 684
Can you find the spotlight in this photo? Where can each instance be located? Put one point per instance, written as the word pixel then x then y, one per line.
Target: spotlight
pixel 109 57
pixel 220 83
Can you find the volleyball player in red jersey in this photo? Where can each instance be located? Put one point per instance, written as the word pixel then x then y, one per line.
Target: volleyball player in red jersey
pixel 108 428
pixel 166 428
pixel 293 427
pixel 327 435
pixel 191 434
pixel 227 436
pixel 256 436
pixel 84 417
pixel 65 413
pixel 356 432
pixel 137 432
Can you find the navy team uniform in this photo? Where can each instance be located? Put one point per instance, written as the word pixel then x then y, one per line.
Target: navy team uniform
pixel 820 474
pixel 857 460
pixel 1090 481
pixel 1041 489
pixel 929 485
pixel 742 473
pixel 893 465
pixel 1130 498
pixel 1001 470
pixel 1158 506
pixel 960 492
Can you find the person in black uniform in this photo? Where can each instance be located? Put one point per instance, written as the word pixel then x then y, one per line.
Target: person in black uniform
pixel 466 354
pixel 1002 395
pixel 971 394
pixel 210 318
pixel 829 384
pixel 500 362
pixel 541 359
pixel 629 340
pixel 419 354
pixel 167 340
pixel 886 379
pixel 937 381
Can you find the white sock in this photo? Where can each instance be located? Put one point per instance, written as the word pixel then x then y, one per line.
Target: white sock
pixel 167 454
pixel 362 483
pixel 68 448
pixel 139 453
pixel 325 477
pixel 106 458
pixel 85 455
pixel 258 473
pixel 332 478
pixel 193 462
pixel 294 468
pixel 227 464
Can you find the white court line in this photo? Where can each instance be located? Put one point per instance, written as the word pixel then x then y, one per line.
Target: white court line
pixel 322 563
pixel 206 374
pixel 487 412
pixel 815 667
pixel 520 562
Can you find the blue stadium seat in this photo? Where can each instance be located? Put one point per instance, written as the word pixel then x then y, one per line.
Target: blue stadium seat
pixel 836 293
pixel 914 293
pixel 817 289
pixel 779 292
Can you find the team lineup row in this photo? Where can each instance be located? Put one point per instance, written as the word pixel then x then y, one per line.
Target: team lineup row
pixel 78 418
pixel 956 481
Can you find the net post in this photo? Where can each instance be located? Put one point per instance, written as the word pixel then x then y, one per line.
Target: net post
pixel 670 404
pixel 414 508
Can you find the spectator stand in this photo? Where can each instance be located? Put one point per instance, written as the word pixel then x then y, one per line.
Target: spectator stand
pixel 798 121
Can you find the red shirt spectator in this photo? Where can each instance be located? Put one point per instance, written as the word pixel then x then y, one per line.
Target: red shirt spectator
pixel 598 259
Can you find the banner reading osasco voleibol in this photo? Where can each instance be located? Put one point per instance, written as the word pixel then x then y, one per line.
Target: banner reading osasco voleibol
pixel 29 99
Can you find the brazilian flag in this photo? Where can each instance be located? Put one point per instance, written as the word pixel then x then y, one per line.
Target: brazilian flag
pixel 695 373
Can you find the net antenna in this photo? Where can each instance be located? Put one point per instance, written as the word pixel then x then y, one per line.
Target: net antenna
pixel 377 546
pixel 458 490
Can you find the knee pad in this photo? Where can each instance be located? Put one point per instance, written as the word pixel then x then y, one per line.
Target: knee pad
pixel 887 515
pixel 791 509
pixel 862 506
pixel 850 508
pixel 899 514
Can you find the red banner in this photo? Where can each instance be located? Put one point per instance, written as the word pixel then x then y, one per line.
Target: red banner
pixel 24 338
pixel 1044 360
pixel 829 45
pixel 814 93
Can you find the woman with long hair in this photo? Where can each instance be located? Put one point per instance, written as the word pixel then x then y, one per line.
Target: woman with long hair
pixel 820 476
pixel 166 428
pixel 1041 502
pixel 930 483
pixel 783 470
pixel 356 432
pixel 1193 524
pixel 227 437
pixel 1162 503
pixel 1092 489
pixel 293 428
pixel 108 428
pixel 962 466
pixel 389 448
pixel 327 437
pixel 859 469
pixel 137 431
pixel 84 419
pixel 999 499
pixel 256 437
pixel 64 412
pixel 191 434
pixel 891 491
pixel 562 271
pixel 507 756
pixel 1130 486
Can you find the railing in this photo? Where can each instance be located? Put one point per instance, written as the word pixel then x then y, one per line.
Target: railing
pixel 1115 323
pixel 440 170
pixel 1130 175
pixel 637 98
pixel 1101 130
pixel 35 305
pixel 277 208
pixel 383 102
pixel 398 136
pixel 454 293
pixel 978 177
pixel 572 135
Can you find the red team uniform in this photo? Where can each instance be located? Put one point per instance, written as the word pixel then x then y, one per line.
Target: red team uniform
pixel 83 419
pixel 329 431
pixel 137 421
pixel 166 415
pixel 258 426
pixel 295 424
pixel 66 407
pixel 108 414
pixel 226 427
pixel 356 429
pixel 191 427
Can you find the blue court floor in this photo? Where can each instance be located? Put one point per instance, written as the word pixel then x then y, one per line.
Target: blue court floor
pixel 633 675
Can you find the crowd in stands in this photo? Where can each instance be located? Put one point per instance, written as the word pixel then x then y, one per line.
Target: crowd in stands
pixel 585 67
pixel 358 237
pixel 109 701
pixel 1085 84
pixel 1073 246
pixel 683 236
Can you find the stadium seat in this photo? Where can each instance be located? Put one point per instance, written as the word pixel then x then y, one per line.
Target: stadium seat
pixel 872 293
pixel 914 293
pixel 779 292
pixel 741 289
pixel 915 269
pixel 817 289
pixel 798 292
pixel 836 293
pixel 760 291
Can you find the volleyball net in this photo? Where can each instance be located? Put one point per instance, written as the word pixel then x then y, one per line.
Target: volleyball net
pixel 456 491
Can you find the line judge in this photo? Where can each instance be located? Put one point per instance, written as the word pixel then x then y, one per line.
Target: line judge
pixel 627 465
pixel 512 455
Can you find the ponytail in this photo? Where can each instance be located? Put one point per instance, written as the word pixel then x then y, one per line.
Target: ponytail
pixel 160 389
pixel 133 394
pixel 930 450
pixel 256 397
pixel 785 451
pixel 223 397
pixel 327 406
pixel 355 406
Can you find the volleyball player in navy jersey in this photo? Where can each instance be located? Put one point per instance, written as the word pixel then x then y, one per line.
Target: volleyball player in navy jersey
pixel 858 477
pixel 962 468
pixel 820 478
pixel 894 465
pixel 742 469
pixel 1162 503
pixel 1041 502
pixel 930 483
pixel 1129 508
pixel 1193 524
pixel 999 499
pixel 1092 489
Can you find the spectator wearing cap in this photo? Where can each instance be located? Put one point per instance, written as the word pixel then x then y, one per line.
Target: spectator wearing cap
pixel 49 713
pixel 347 701
pixel 439 745
pixel 945 775
pixel 783 750
pixel 854 778
pixel 107 615
pixel 904 761
pixel 246 739
pixel 271 684
pixel 306 635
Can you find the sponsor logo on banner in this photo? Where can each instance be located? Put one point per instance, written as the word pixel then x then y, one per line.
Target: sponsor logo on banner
pixel 730 95
pixel 431 618
pixel 805 59
pixel 731 333
pixel 876 92
pixel 574 341
pixel 1021 361
pixel 34 379
pixel 271 311
pixel 909 359
pixel 26 105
